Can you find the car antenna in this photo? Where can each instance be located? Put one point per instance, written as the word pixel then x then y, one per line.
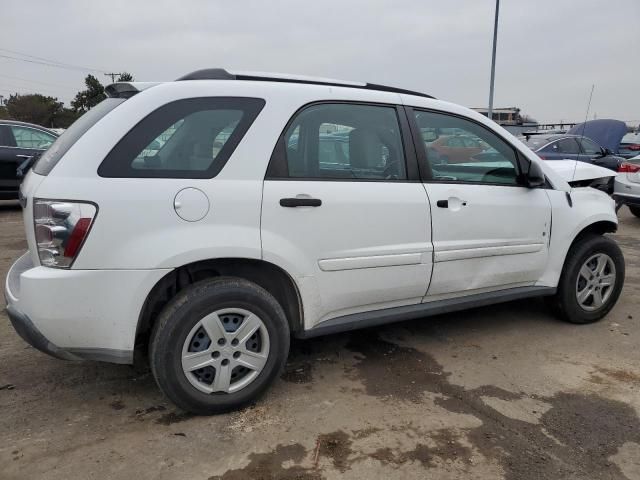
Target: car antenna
pixel 584 125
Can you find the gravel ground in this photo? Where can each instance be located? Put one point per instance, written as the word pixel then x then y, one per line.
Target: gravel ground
pixel 498 392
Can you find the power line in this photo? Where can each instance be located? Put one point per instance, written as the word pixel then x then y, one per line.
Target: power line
pixel 55 65
pixel 34 81
pixel 49 60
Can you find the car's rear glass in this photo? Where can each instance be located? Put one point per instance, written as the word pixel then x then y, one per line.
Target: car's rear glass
pixel 54 153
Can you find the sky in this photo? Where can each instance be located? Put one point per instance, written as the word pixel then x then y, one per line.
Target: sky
pixel 550 52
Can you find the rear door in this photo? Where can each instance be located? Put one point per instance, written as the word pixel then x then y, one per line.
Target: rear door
pixel 350 220
pixel 489 232
pixel 9 162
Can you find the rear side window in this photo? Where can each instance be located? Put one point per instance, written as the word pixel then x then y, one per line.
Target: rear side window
pixel 52 156
pixel 190 138
pixel 341 141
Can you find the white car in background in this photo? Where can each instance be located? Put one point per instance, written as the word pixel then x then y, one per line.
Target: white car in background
pixel 243 227
pixel 626 188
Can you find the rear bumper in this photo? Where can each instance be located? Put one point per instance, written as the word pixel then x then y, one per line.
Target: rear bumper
pixel 30 334
pixel 627 199
pixel 78 314
pixel 626 191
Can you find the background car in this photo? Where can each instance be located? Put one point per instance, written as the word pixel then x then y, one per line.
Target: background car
pixel 456 148
pixel 630 145
pixel 626 187
pixel 572 147
pixel 18 142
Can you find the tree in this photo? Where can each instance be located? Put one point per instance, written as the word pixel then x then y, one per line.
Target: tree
pixel 65 118
pixel 33 108
pixel 125 77
pixel 89 98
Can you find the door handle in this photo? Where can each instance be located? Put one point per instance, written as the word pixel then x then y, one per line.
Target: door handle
pixel 300 202
pixel 454 202
pixel 24 156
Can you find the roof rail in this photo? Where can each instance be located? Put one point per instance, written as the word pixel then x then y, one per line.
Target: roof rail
pixel 222 74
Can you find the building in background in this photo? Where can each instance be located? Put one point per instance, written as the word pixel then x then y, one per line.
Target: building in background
pixel 511 119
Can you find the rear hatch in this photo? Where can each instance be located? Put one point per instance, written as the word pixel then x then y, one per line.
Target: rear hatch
pixel 118 93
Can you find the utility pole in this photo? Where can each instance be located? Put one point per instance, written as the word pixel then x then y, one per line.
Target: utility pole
pixel 493 60
pixel 112 75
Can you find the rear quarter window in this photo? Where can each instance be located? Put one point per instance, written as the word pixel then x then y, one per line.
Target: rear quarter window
pixel 64 142
pixel 189 138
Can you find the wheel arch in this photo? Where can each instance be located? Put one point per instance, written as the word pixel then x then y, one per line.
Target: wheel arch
pixel 269 276
pixel 599 227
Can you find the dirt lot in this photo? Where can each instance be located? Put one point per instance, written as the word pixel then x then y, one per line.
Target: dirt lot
pixel 499 392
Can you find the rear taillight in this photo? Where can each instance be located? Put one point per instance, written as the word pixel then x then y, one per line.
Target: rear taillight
pixel 632 147
pixel 61 228
pixel 627 167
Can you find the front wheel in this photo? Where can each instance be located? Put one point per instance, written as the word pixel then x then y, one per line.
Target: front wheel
pixel 218 345
pixel 635 211
pixel 591 280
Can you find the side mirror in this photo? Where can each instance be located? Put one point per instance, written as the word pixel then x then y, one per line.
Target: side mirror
pixel 534 177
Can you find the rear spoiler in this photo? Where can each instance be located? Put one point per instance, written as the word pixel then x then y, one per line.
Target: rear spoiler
pixel 120 90
pixel 127 89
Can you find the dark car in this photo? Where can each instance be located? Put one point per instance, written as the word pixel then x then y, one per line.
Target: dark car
pixel 572 147
pixel 19 141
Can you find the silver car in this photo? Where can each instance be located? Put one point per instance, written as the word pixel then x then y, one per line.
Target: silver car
pixel 626 190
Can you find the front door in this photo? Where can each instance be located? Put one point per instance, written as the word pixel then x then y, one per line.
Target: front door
pixel 489 232
pixel 342 213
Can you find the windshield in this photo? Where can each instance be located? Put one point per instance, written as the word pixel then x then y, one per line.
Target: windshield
pixel 52 156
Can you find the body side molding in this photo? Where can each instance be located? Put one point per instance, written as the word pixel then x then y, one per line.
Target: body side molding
pixel 410 312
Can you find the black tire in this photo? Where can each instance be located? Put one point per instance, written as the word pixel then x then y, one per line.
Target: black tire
pixel 635 210
pixel 565 301
pixel 180 316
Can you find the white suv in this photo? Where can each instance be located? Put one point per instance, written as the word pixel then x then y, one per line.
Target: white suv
pixel 211 218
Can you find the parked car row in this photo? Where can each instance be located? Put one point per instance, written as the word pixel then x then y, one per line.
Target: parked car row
pixel 573 147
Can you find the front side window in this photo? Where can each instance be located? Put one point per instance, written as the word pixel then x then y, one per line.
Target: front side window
pixel 31 138
pixel 343 141
pixel 589 146
pixel 459 150
pixel 568 146
pixel 191 138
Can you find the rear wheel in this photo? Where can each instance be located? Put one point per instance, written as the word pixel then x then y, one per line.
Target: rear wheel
pixel 591 281
pixel 218 345
pixel 635 211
